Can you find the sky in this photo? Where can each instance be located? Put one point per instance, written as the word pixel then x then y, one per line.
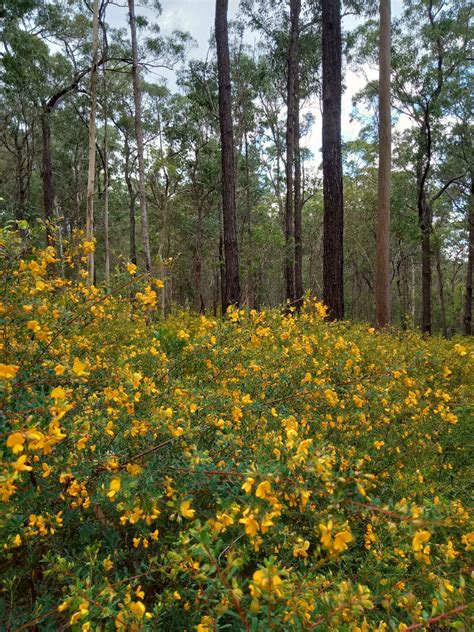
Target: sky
pixel 197 17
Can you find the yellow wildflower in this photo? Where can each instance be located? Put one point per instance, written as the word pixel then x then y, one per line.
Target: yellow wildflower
pixel 20 464
pixel 8 371
pixel 301 548
pixel 251 525
pixel 114 488
pixel 185 509
pixel 58 393
pixel 263 489
pixel 78 368
pixel 247 486
pixel 15 442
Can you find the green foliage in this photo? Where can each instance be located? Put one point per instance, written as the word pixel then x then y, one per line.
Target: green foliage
pixel 259 471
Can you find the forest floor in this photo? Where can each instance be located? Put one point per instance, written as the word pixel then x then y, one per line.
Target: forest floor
pixel 261 471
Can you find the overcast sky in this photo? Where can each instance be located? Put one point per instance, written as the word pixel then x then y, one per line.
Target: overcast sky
pixel 197 17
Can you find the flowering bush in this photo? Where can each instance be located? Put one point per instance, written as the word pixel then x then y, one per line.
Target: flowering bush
pixel 264 471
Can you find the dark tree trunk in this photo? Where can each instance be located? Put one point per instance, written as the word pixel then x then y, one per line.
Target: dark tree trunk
pixel 47 171
pixel 292 72
pixel 199 304
pixel 333 280
pixel 299 290
pixel 22 175
pixel 424 219
pixel 231 254
pixel 382 257
pixel 470 266
pixel 442 301
pixel 47 168
pixel 250 294
pixel 222 279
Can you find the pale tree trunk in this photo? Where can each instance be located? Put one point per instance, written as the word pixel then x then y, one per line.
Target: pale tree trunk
pixel 231 254
pixel 164 228
pixel 137 97
pixel 106 159
pixel 132 197
pixel 333 254
pixel 382 257
pixel 106 203
pixel 92 130
pixel 470 265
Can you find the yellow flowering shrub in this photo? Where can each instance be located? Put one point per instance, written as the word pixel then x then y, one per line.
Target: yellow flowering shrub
pixel 258 471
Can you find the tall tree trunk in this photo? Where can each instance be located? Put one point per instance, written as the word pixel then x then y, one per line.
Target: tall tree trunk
pixel 137 97
pixel 470 265
pixel 106 202
pixel 248 205
pixel 442 301
pixel 413 294
pixel 132 197
pixel 424 218
pixel 231 254
pixel 299 290
pixel 199 304
pixel 92 134
pixel 47 170
pixel 106 154
pixel 333 256
pixel 291 79
pixel 222 278
pixel 382 257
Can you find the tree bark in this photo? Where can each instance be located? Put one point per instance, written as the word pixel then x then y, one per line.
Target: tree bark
pixel 291 79
pixel 333 256
pixel 248 205
pixel 137 97
pixel 299 289
pixel 470 265
pixel 424 220
pixel 106 155
pixel 231 254
pixel 382 257
pixel 132 197
pixel 222 279
pixel 47 171
pixel 92 134
pixel 442 301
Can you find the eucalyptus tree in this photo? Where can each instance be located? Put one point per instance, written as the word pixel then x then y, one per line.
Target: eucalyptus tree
pixel 290 49
pixel 232 272
pixel 46 59
pixel 429 58
pixel 382 260
pixel 333 254
pixel 137 97
pixel 429 50
pixel 92 141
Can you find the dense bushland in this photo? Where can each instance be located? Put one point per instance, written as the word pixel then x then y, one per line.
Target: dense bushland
pixel 263 471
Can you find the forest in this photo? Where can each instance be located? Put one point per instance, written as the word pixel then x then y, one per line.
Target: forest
pixel 151 192
pixel 237 364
